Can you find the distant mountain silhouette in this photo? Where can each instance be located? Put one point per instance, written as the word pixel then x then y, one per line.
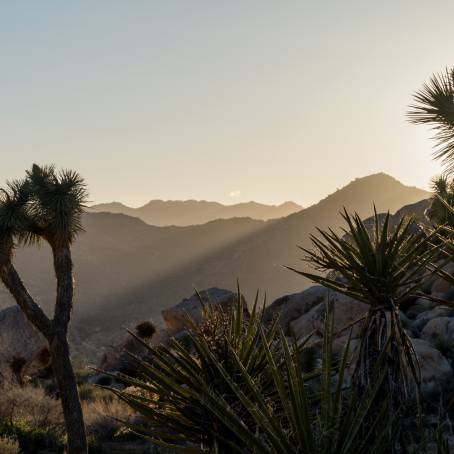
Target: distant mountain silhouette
pixel 194 212
pixel 127 270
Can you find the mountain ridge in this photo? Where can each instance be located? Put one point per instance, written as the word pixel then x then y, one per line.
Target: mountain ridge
pixel 127 270
pixel 195 212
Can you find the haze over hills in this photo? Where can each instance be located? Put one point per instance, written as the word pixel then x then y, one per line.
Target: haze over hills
pixel 193 212
pixel 127 270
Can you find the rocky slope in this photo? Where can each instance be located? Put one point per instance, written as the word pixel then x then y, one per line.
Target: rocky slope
pixel 127 270
pixel 20 342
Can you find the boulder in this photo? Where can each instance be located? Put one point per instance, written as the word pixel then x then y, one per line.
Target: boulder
pixel 118 358
pixel 424 317
pixel 177 318
pixel 441 288
pixel 435 368
pixel 419 306
pixel 440 328
pixel 19 340
pixel 346 311
pixel 290 307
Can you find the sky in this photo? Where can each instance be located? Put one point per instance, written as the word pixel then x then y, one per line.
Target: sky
pixel 219 100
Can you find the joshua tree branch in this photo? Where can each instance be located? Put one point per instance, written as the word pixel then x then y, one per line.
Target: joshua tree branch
pixel 30 308
pixel 65 286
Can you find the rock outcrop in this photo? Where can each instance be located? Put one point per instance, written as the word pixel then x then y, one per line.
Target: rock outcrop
pixel 290 307
pixel 177 318
pixel 346 312
pixel 435 368
pixel 19 341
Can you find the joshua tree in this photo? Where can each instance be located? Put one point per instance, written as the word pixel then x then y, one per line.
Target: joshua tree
pixel 379 268
pixel 443 198
pixel 47 206
pixel 434 105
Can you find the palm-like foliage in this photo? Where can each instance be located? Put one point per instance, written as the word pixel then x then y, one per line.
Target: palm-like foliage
pixel 254 397
pixel 183 394
pixel 314 413
pixel 434 105
pixel 14 210
pixel 443 198
pixel 58 202
pixel 379 268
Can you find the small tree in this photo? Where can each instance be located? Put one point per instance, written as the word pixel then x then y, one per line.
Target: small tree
pixel 47 206
pixel 380 268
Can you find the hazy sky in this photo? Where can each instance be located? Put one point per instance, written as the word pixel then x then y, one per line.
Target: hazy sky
pixel 219 100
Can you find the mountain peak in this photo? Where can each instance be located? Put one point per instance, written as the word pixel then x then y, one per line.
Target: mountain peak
pixel 381 189
pixel 194 212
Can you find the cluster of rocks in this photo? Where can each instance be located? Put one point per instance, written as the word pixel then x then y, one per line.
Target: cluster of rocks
pixel 177 320
pixel 429 324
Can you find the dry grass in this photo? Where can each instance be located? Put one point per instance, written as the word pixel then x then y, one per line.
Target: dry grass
pixel 33 407
pixel 102 417
pixel 9 446
pixel 30 405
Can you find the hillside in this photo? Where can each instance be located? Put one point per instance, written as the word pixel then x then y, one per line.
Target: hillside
pixel 127 270
pixel 194 212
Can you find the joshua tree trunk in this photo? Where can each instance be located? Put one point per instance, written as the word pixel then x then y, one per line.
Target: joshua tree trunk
pixel 59 347
pixel 55 331
pixel 67 386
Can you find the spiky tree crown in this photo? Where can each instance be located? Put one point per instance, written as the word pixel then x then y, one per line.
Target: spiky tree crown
pixel 46 204
pixel 434 105
pixel 376 265
pixel 443 198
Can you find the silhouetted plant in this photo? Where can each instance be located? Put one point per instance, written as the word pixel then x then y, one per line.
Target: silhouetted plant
pixel 181 390
pixel 47 205
pixel 145 330
pixel 246 390
pixel 434 106
pixel 17 365
pixel 44 357
pixel 380 268
pixel 439 212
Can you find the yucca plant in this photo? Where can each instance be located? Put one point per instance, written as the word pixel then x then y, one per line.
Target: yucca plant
pixel 434 106
pixel 443 195
pixel 381 268
pixel 445 234
pixel 255 397
pixel 179 391
pixel 314 413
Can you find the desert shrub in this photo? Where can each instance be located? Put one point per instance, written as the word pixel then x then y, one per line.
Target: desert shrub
pixel 82 372
pixel 90 392
pixel 103 418
pixel 31 405
pixel 17 365
pixel 9 445
pixel 145 329
pixel 34 439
